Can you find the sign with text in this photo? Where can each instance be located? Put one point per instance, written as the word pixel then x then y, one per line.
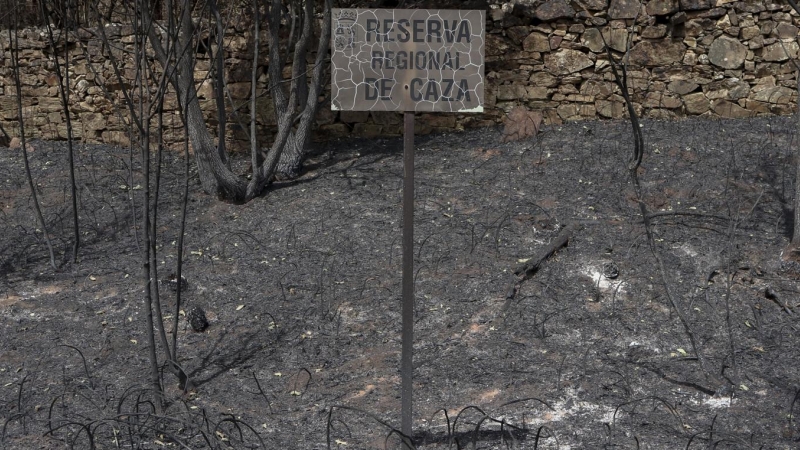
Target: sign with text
pixel 407 60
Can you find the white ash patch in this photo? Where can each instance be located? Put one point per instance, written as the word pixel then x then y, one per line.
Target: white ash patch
pixel 594 270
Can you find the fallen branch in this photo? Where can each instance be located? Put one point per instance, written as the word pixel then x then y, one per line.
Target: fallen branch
pixel 531 266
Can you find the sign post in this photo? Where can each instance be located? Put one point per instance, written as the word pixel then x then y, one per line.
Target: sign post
pixel 410 61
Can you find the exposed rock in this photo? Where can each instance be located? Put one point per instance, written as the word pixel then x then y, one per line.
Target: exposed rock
pixel 727 53
pixel 657 53
pixel 566 61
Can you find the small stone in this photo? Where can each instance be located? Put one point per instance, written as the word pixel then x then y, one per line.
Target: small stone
pixel 610 270
pixel 172 283
pixel 197 319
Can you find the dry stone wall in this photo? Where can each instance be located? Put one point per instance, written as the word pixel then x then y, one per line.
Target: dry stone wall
pixel 716 58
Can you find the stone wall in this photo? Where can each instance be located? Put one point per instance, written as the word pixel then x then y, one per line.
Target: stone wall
pixel 717 58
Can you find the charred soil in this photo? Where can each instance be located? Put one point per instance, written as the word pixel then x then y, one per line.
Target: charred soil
pixel 301 294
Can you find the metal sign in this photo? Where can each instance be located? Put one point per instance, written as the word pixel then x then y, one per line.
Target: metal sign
pixel 407 60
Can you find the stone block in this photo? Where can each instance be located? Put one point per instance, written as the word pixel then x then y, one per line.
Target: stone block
pixel 367 130
pixel 386 117
pixel 536 42
pixel 689 5
pixel 682 87
pixel 325 115
pixel 780 51
pixel 335 130
pixel 239 91
pixel 596 88
pixel 657 53
pixel 661 100
pixel 566 61
pixel 517 34
pixel 662 7
pixel 772 94
pixel 624 9
pixel 696 103
pixel 536 92
pixel 510 92
pixel 553 10
pixel 786 31
pixel 727 52
pixel 748 33
pixel 353 116
pixel 725 108
pixel 654 31
pixel 567 110
pixel 610 109
pixel 439 120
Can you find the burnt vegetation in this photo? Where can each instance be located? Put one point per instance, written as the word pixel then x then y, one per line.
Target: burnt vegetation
pixel 590 285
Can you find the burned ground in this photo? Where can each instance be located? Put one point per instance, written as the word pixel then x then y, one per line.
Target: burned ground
pixel 301 289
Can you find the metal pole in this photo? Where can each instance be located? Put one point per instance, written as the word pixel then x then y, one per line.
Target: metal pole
pixel 406 357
